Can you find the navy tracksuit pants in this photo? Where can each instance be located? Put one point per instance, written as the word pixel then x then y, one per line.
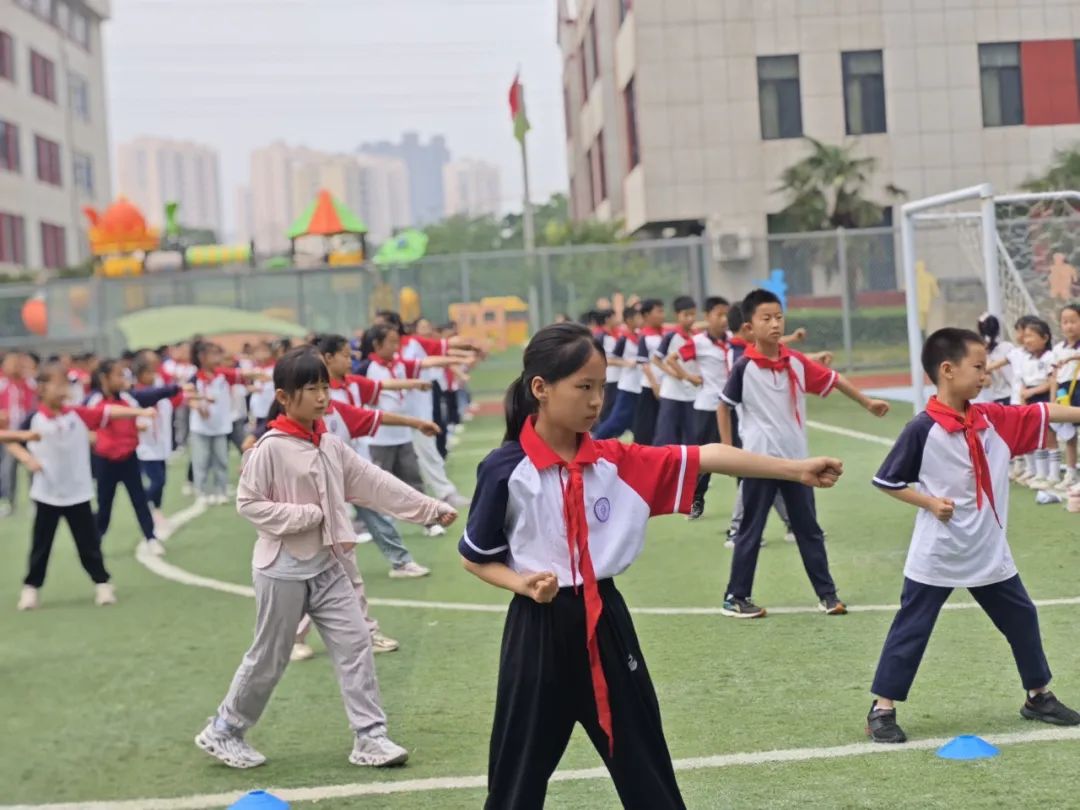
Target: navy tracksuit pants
pixel 1006 603
pixel 621 417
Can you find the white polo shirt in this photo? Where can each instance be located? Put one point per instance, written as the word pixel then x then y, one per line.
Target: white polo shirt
pixel 64 453
pixel 218 420
pixel 648 344
pixel 714 361
pixel 626 347
pixel 156 434
pixel 517 511
pixel 263 395
pixel 772 420
pixel 394 401
pixel 1036 370
pixel 1001 380
pixel 608 343
pixel 671 387
pixel 970 550
pixel 1069 367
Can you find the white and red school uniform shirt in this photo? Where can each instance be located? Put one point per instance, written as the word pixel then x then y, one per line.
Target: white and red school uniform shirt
pixel 262 397
pixel 79 384
pixel 626 347
pixel 970 550
pixel 413 347
pixel 772 397
pixel 63 451
pixel 672 387
pixel 182 373
pixel 214 418
pixel 394 401
pixel 609 339
pixel 357 391
pixel 714 361
pixel 1035 371
pixel 1001 380
pixel 649 339
pixel 18 398
pixel 349 422
pixel 156 434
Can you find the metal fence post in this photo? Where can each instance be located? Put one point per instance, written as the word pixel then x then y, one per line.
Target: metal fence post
pixel 545 283
pixel 845 296
pixel 466 296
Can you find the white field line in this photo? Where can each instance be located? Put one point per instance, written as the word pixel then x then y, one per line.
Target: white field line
pixel 209 801
pixel 167 570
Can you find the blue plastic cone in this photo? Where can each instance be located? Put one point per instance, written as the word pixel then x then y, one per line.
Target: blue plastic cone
pixel 260 800
pixel 967 746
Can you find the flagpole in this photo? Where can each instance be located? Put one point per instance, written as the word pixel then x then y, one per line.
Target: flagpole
pixel 528 226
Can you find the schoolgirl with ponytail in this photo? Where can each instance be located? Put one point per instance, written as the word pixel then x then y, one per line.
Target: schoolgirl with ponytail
pixel 555 517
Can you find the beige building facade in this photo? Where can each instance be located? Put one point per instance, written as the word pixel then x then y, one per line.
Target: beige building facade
pixel 154 171
pixel 472 188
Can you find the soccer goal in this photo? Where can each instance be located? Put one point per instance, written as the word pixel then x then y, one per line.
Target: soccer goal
pixel 970 251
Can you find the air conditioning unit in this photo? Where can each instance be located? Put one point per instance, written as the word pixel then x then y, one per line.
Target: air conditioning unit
pixel 732 245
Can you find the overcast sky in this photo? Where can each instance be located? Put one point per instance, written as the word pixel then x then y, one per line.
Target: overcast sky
pixel 331 74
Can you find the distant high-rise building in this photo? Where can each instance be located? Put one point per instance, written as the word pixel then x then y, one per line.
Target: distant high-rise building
pixel 425 169
pixel 285 179
pixel 245 221
pixel 154 171
pixel 471 187
pixel 54 145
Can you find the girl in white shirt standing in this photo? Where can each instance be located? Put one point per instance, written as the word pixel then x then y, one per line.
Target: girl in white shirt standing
pixel 59 458
pixel 998 354
pixel 1035 377
pixel 1067 390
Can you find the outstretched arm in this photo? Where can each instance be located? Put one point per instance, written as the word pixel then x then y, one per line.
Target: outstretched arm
pixel 878 407
pixel 727 460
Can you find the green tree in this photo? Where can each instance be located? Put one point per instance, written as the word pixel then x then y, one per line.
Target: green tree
pixel 1063 173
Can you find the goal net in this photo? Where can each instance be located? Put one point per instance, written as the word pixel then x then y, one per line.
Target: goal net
pixel 970 252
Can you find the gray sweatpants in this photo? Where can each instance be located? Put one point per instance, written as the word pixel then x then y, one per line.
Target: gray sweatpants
pixel 432 466
pixel 330 600
pixel 209 463
pixel 400 461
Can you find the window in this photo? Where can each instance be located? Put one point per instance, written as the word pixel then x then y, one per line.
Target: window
pixel 7 56
pixel 12 239
pixel 9 147
pixel 624 9
pixel 42 76
pixel 79 96
pixel 584 78
pixel 1002 91
pixel 630 101
pixel 864 92
pixel 566 111
pixel 82 173
pixel 592 62
pixel 779 97
pixel 53 246
pixel 79 29
pixel 598 171
pixel 48 161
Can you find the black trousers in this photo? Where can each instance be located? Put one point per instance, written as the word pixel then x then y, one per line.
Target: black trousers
pixel 438 417
pixel 154 473
pixel 675 423
pixel 80 519
pixel 545 689
pixel 450 407
pixel 706 431
pixel 611 391
pixel 126 472
pixel 758 495
pixel 645 417
pixel 1006 603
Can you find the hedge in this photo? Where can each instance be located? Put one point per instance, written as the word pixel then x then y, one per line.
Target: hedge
pixel 826 331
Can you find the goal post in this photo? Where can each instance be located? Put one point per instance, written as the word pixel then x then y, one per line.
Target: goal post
pixel 984 194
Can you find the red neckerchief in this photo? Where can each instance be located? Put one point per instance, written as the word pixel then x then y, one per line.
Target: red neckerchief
pixel 781 363
pixel 970 422
pixel 204 376
pixel 577 538
pixel 49 413
pixel 293 428
pixel 685 334
pixel 651 331
pixel 723 344
pixel 739 342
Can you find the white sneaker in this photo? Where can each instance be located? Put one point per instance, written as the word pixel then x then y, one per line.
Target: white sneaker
pixel 187 489
pixel 104 594
pixel 229 748
pixel 789 537
pixel 1039 483
pixel 28 598
pixel 410 570
pixel 729 543
pixel 434 530
pixel 220 500
pixel 377 751
pixel 155 547
pixel 301 652
pixel 383 644
pixel 204 501
pixel 363 537
pixel 458 501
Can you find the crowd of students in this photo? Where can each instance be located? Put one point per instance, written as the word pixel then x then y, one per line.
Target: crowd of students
pixel 560 507
pixel 84 426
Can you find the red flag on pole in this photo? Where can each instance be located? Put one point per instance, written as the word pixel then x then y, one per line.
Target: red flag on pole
pixel 517 108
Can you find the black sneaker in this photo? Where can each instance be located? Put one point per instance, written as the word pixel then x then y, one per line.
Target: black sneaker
pixel 697 509
pixel 881 726
pixel 1044 706
pixel 739 608
pixel 832 606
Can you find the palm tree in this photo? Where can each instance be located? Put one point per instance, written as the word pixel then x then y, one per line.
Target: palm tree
pixel 826 190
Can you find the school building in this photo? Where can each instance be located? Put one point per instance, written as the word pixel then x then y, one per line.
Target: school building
pixel 682 114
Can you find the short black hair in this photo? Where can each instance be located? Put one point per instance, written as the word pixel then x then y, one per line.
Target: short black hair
pixel 754 299
pixel 683 303
pixel 734 317
pixel 946 345
pixel 714 301
pixel 649 304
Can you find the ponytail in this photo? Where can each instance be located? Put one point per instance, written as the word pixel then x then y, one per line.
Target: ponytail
pixel 990 330
pixel 519 404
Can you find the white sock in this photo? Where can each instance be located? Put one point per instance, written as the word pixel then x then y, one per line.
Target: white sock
pixel 1053 460
pixel 1029 464
pixel 1041 463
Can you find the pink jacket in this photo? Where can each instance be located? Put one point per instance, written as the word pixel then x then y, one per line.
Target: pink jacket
pixel 296 495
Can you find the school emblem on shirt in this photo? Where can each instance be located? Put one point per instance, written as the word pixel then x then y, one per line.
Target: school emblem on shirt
pixel 602 509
